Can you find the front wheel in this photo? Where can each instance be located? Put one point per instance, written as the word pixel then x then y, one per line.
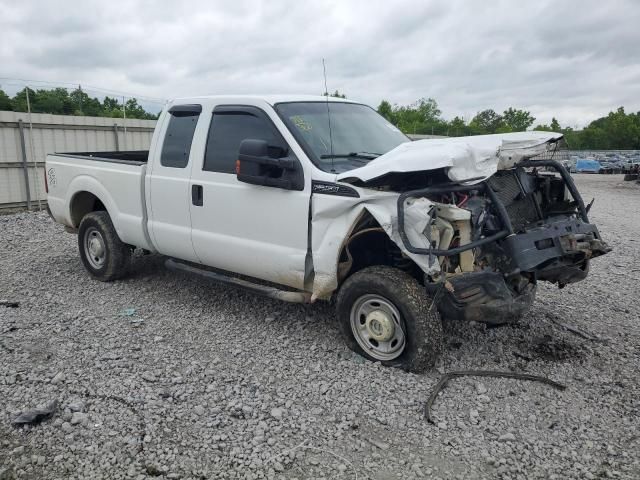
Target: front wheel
pixel 385 315
pixel 102 252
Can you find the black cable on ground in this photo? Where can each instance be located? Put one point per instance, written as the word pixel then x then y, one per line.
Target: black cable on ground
pixel 482 373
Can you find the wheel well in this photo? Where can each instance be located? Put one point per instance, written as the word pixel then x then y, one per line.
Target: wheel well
pixel 369 245
pixel 83 203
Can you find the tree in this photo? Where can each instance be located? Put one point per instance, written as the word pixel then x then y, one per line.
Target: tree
pixel 386 110
pixel 517 120
pixel 335 94
pixel 60 101
pixel 5 101
pixel 420 117
pixel 485 122
pixel 457 127
pixel 555 125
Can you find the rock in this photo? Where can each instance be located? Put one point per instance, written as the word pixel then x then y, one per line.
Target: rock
pixel 76 406
pixel 7 473
pixel 507 437
pixel 442 425
pixel 199 410
pixel 480 388
pixel 58 378
pixel 79 418
pixel 18 450
pixel 483 399
pixel 153 470
pixel 36 415
pixel 379 443
pixel 149 377
pixel 276 413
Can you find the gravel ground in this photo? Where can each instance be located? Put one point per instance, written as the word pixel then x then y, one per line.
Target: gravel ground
pixel 203 381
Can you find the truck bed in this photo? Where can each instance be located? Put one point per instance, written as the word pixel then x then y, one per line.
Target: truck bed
pixel 135 157
pixel 116 179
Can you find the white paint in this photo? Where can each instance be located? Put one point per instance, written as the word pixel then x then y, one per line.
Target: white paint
pixel 260 231
pixel 466 158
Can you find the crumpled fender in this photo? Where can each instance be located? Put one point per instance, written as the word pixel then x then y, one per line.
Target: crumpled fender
pixel 334 217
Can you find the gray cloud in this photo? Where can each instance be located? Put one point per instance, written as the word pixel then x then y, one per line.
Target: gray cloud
pixel 574 59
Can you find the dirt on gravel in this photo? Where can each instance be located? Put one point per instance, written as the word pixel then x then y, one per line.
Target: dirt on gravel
pixel 168 376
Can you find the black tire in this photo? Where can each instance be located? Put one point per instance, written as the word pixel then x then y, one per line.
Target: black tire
pixel 419 317
pixel 115 256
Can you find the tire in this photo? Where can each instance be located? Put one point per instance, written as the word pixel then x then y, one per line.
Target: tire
pixel 102 252
pixel 378 300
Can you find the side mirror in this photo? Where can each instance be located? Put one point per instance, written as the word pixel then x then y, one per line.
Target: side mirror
pixel 257 167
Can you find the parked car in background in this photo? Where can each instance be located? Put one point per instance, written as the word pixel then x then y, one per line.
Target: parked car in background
pixel 587 165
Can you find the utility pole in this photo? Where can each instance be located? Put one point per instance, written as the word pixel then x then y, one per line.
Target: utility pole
pixel 124 118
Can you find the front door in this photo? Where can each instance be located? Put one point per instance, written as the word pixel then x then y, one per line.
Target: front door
pixel 253 230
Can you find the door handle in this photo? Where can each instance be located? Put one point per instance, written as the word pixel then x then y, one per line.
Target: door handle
pixel 196 195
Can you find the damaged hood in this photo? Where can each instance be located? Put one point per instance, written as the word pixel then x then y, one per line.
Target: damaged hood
pixel 466 158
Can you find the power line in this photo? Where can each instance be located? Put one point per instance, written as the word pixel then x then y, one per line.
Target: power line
pixel 21 81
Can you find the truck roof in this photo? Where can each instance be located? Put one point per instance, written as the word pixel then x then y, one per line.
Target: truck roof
pixel 270 99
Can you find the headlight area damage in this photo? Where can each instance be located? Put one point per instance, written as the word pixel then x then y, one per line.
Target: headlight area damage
pixel 480 220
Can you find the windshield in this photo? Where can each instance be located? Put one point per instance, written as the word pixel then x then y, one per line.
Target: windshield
pixel 358 133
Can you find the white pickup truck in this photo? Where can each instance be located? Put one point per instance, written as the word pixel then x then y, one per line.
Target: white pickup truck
pixel 305 198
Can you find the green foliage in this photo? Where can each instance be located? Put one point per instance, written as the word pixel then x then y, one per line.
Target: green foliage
pixel 517 120
pixel 486 122
pixel 335 94
pixel 60 102
pixel 421 117
pixel 618 130
pixel 5 101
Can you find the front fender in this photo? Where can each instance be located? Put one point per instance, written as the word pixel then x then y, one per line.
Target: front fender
pixel 332 222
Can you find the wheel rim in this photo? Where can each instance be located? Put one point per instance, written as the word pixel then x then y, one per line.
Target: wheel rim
pixel 377 327
pixel 94 248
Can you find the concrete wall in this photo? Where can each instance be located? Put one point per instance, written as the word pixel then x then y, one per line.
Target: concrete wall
pixel 56 133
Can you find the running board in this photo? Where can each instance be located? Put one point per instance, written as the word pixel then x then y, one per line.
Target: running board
pixel 265 290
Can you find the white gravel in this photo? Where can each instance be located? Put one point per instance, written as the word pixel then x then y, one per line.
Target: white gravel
pixel 203 381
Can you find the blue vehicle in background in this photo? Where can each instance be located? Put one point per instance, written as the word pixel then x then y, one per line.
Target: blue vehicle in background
pixel 587 165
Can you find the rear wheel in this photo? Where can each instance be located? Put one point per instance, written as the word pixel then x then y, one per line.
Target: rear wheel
pixel 102 252
pixel 386 315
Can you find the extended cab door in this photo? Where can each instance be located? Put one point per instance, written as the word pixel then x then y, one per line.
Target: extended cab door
pixel 169 194
pixel 255 230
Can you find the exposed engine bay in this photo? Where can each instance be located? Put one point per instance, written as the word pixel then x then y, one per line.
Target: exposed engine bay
pixel 494 216
pixel 527 227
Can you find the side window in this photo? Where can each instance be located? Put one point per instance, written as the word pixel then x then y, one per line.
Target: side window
pixel 227 130
pixel 179 135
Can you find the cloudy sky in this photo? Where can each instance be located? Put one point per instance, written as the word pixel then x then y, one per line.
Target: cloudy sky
pixel 576 60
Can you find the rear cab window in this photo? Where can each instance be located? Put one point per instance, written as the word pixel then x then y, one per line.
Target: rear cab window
pixel 179 135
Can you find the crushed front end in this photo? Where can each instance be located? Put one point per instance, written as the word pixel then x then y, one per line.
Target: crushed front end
pixel 494 240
